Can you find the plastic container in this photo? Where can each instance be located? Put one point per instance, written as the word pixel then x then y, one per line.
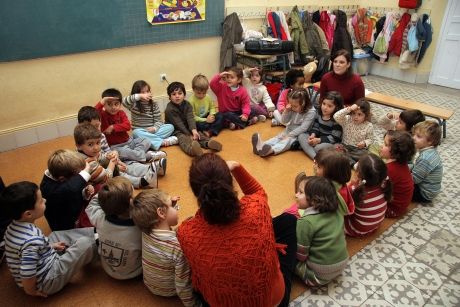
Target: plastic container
pixel 360 63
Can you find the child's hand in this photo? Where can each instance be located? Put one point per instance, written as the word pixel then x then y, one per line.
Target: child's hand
pixel 243 117
pixel 145 96
pixel 232 165
pixel 210 119
pixel 288 106
pixel 223 75
pixel 195 135
pixel 393 115
pixel 108 130
pixel 353 108
pixel 89 191
pixel 121 166
pixel 108 99
pixel 59 246
pixel 361 144
pixel 151 129
pixel 87 167
pixel 112 154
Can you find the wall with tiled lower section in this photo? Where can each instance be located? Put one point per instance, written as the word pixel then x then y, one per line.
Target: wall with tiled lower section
pixel 40 133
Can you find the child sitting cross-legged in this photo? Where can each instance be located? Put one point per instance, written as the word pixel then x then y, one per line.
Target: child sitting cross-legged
pixel 119 239
pixel 155 213
pixel 41 265
pixel 179 113
pixel 261 102
pixel 65 187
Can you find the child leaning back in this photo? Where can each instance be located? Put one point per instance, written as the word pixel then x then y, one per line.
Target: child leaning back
pixel 155 213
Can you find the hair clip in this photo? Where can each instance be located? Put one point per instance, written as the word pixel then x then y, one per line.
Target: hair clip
pixel 363 182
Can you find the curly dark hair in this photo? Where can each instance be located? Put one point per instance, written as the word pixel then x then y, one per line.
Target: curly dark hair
pixel 321 194
pixel 411 117
pixel 364 107
pixel 212 184
pixel 336 165
pixel 175 86
pixel 292 76
pixel 402 147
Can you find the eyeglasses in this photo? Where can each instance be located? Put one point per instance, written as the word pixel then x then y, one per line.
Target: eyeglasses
pixel 175 205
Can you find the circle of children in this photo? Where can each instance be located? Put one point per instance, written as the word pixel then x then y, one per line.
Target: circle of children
pixel 109 162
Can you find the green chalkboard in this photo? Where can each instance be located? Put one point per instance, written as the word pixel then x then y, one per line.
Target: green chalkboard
pixel 41 28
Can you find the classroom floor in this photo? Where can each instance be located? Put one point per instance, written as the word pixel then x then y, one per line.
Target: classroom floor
pixel 412 261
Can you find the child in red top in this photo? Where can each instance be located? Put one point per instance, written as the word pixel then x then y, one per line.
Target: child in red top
pixel 371 193
pixel 232 98
pixel 115 126
pixel 398 149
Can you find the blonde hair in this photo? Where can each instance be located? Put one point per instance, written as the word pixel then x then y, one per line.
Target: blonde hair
pixel 115 196
pixel 144 209
pixel 431 130
pixel 65 163
pixel 200 83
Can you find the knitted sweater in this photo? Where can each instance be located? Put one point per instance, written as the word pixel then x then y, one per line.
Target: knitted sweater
pixel 202 108
pixel 120 123
pixel 181 117
pixel 235 264
pixel 258 93
pixel 427 172
pixel 354 133
pixel 143 115
pixel 229 100
pixel 403 188
pixel 297 123
pixel 351 88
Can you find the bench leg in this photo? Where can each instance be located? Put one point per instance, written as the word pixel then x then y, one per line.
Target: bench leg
pixel 443 123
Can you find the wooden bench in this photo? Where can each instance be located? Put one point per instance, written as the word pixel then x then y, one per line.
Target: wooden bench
pixel 442 115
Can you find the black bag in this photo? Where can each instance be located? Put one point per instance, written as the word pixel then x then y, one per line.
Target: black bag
pixel 268 47
pixel 322 68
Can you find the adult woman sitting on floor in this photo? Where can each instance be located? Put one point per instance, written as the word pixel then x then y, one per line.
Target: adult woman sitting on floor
pixel 342 79
pixel 230 243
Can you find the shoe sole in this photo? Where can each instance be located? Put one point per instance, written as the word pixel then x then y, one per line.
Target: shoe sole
pixel 266 151
pixel 255 140
pixel 214 145
pixel 196 149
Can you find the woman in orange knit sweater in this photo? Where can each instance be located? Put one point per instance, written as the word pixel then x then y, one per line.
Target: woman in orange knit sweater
pixel 230 244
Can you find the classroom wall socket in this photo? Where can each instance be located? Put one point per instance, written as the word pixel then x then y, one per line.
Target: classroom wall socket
pixel 162 77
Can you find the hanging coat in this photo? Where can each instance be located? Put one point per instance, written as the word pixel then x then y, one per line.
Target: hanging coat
pixel 342 39
pixel 396 39
pixel 312 36
pixel 425 35
pixel 362 28
pixel 326 25
pixel 298 36
pixel 232 34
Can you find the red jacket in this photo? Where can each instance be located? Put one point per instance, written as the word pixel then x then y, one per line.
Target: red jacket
pixel 120 122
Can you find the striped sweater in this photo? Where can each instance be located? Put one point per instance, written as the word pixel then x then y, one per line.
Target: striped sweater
pixel 329 131
pixel 143 115
pixel 166 271
pixel 28 252
pixel 368 215
pixel 427 172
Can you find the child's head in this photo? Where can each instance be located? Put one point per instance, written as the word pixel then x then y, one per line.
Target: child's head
pixel 235 76
pixel 331 103
pixel 112 106
pixel 299 100
pixel 332 165
pixel 23 201
pixel 427 133
pixel 372 172
pixel 318 193
pixel 89 114
pixel 200 86
pixel 140 87
pixel 256 75
pixel 398 145
pixel 115 196
pixel 363 113
pixel 176 92
pixel 295 79
pixel 87 139
pixel 151 207
pixel 408 118
pixel 64 163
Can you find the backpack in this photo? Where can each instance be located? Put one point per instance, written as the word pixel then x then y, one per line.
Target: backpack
pixel 321 69
pixel 380 44
pixel 410 4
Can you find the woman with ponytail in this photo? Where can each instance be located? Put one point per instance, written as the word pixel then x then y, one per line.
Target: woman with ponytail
pixel 371 193
pixel 238 254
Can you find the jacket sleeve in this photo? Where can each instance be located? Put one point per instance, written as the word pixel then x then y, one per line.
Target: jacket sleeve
pixel 304 237
pixel 212 105
pixel 245 103
pixel 182 281
pixel 369 135
pixel 247 183
pixel 129 101
pixel 282 101
pixel 215 84
pixel 335 136
pixel 306 123
pixel 267 99
pixel 422 168
pixel 94 211
pixel 189 115
pixel 341 116
pixel 157 121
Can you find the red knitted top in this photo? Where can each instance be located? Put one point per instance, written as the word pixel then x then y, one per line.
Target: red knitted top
pixel 235 264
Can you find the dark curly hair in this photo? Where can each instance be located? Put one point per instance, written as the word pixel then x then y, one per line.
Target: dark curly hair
pixel 364 107
pixel 321 194
pixel 411 117
pixel 402 147
pixel 292 76
pixel 336 165
pixel 175 86
pixel 212 184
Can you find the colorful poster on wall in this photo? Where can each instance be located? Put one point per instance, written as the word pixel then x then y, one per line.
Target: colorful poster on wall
pixel 175 11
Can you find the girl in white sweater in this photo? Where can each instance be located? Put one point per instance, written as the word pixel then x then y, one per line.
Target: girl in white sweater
pixel 261 102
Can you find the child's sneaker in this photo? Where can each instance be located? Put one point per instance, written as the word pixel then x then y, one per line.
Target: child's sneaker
pixel 266 150
pixel 231 126
pixel 169 141
pixel 153 155
pixel 253 120
pixel 214 145
pixel 150 178
pixel 275 123
pixel 196 149
pixel 160 166
pixel 262 118
pixel 256 143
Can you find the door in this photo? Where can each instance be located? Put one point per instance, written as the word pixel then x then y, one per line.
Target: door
pixel 446 64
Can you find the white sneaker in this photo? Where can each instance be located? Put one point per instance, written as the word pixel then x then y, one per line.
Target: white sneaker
pixel 151 176
pixel 160 166
pixel 262 118
pixel 169 141
pixel 153 155
pixel 275 122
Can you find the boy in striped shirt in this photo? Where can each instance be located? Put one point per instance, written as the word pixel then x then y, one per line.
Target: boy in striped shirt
pixel 166 271
pixel 41 265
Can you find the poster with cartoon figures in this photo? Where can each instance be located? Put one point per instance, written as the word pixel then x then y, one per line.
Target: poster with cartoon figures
pixel 174 11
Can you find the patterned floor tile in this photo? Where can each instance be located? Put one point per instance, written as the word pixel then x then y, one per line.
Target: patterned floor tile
pixel 377 300
pixel 401 293
pixel 422 276
pixel 406 240
pixel 435 217
pixel 448 295
pixel 388 255
pixel 447 241
pixel 454 225
pixel 348 291
pixel 316 300
pixel 438 259
pixel 368 272
pixel 420 228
